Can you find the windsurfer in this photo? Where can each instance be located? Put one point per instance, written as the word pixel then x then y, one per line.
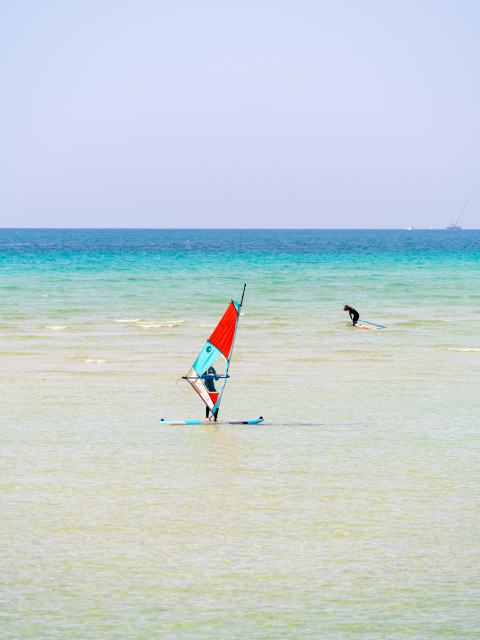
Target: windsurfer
pixel 210 384
pixel 354 315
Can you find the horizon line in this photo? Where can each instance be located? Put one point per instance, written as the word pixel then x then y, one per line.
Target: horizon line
pixel 231 229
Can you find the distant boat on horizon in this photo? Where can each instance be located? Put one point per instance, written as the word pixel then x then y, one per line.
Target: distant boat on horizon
pixel 454 225
pixel 409 228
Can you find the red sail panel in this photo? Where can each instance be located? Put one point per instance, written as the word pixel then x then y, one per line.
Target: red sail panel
pixel 214 396
pixel 223 336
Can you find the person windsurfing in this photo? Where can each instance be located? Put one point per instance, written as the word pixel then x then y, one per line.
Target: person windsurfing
pixel 354 315
pixel 210 384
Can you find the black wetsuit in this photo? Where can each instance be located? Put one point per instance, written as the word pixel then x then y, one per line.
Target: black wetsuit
pixel 354 315
pixel 210 384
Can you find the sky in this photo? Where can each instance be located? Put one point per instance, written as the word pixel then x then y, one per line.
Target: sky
pixel 239 114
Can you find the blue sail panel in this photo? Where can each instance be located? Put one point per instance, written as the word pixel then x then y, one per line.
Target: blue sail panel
pixel 206 358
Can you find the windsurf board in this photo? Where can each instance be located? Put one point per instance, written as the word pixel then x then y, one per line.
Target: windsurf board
pixel 173 422
pixel 356 326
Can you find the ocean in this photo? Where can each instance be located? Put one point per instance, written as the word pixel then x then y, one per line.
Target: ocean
pixel 352 512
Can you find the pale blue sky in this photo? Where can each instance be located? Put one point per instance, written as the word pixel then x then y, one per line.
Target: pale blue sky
pixel 336 114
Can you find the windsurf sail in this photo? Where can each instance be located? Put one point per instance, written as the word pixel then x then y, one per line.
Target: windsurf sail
pixel 209 380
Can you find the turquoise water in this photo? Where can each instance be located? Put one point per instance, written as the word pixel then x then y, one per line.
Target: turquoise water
pixel 352 512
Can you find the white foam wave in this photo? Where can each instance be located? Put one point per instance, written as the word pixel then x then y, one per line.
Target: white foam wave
pixel 55 327
pixel 89 360
pixel 146 324
pixel 463 349
pixel 153 325
pixel 156 325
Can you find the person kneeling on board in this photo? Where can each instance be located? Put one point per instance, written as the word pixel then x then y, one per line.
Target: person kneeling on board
pixel 210 384
pixel 354 315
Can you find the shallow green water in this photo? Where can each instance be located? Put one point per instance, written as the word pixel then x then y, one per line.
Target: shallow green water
pixel 352 512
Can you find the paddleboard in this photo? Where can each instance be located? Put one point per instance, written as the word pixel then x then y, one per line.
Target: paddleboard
pixel 212 421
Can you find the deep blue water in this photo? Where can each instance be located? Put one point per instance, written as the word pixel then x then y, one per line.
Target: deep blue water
pixel 237 240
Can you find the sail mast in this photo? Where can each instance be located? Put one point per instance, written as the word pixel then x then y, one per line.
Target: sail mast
pixel 217 404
